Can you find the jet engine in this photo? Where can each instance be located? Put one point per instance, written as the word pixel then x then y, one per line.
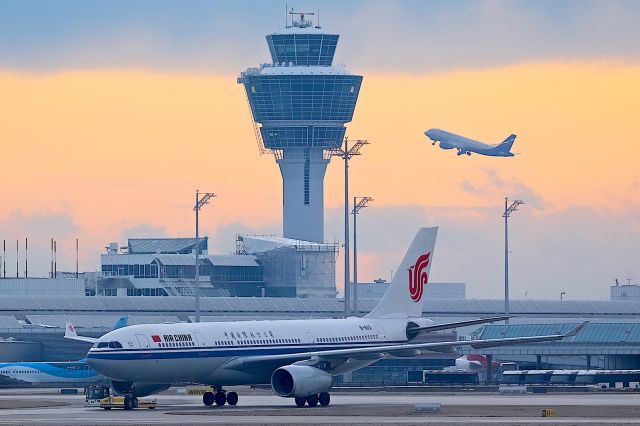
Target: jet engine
pixel 299 381
pixel 445 145
pixel 137 389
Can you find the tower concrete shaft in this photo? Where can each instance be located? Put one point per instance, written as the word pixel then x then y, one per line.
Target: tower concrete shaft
pixel 303 193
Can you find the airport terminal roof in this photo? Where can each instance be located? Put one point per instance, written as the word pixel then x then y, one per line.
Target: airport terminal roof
pixel 164 245
pixel 215 260
pixel 596 338
pixel 618 333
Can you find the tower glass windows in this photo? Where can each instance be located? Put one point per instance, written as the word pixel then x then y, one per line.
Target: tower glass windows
pixel 303 49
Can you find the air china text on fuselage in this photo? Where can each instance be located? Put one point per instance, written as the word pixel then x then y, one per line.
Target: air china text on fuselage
pixel 296 357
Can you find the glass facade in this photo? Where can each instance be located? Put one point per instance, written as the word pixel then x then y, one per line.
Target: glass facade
pixel 303 49
pixel 278 137
pixel 137 271
pixel 303 97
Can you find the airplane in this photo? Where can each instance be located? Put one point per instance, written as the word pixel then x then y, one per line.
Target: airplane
pixel 49 373
pixel 464 145
pixel 472 362
pixel 298 358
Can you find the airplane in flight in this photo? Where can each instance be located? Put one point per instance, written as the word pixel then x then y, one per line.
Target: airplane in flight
pixel 52 373
pixel 298 358
pixel 464 145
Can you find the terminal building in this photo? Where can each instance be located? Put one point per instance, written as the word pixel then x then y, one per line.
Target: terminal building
pixel 262 266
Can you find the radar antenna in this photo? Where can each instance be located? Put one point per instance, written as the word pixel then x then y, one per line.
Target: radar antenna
pixel 302 23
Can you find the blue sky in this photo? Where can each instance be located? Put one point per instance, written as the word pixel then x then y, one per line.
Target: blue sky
pixel 400 36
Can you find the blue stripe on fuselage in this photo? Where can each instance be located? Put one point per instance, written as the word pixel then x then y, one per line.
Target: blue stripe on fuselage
pixel 220 352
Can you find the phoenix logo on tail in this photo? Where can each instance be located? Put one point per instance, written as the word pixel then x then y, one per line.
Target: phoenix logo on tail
pixel 418 277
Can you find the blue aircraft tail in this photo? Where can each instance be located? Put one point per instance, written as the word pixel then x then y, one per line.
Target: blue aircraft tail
pixel 505 145
pixel 122 322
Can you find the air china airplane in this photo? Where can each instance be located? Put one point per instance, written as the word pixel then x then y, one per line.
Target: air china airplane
pixel 298 358
pixel 464 145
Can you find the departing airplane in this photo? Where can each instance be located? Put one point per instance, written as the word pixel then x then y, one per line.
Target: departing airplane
pixel 50 373
pixel 298 358
pixel 464 145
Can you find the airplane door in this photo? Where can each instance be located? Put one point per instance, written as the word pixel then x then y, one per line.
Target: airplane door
pixel 200 342
pixel 311 341
pixel 145 347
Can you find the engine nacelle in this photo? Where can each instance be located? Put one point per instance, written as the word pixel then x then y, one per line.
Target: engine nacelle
pixel 137 389
pixel 299 381
pixel 445 145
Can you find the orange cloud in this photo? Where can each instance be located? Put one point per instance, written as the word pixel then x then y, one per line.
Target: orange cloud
pixel 120 148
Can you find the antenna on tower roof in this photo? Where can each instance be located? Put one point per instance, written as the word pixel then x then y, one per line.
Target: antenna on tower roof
pixel 301 23
pixel 318 12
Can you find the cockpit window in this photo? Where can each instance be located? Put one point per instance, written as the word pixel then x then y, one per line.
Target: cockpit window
pixel 103 344
pixel 115 345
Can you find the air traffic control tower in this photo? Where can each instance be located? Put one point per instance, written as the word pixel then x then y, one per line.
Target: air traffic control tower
pixel 300 103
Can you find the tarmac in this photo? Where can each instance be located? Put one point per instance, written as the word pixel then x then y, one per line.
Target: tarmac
pixel 43 406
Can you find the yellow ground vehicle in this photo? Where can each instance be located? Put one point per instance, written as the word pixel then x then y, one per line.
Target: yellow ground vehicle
pixel 94 393
pixel 127 403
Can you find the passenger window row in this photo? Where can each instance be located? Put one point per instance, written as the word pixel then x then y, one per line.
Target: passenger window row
pixel 257 342
pixel 176 344
pixel 347 338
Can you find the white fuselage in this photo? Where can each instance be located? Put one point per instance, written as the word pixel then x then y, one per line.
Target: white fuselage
pixel 198 352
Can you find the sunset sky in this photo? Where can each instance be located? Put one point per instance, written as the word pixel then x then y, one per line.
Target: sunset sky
pixel 113 113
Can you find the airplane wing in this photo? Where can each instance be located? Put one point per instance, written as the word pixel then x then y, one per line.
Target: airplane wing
pixel 373 352
pixel 70 333
pixel 450 325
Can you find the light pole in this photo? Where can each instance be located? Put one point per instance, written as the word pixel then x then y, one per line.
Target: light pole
pixel 562 294
pixel 357 206
pixel 200 202
pixel 346 154
pixel 508 209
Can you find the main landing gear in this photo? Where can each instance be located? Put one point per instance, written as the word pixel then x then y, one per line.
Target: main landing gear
pixel 220 397
pixel 130 402
pixel 312 400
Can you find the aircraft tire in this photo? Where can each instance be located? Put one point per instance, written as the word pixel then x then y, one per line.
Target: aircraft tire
pixel 312 400
pixel 129 403
pixel 208 398
pixel 324 398
pixel 232 398
pixel 220 398
pixel 300 401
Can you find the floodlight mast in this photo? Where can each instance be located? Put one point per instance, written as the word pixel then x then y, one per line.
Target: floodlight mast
pixel 508 209
pixel 357 206
pixel 200 202
pixel 346 154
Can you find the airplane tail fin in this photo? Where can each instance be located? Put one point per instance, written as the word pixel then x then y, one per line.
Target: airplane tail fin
pixel 505 145
pixel 404 296
pixel 122 322
pixel 70 333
